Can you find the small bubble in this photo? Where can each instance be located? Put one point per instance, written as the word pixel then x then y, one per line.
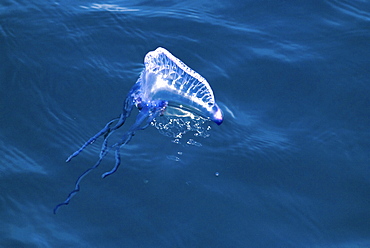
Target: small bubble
pixel 217 174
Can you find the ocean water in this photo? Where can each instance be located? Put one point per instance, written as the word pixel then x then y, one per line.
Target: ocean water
pixel 289 167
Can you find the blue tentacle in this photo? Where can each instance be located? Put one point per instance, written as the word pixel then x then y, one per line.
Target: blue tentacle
pixel 118 162
pixel 103 152
pixel 107 130
pixel 145 113
pixel 104 131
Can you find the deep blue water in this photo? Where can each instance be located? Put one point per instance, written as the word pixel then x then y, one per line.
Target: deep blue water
pixel 292 156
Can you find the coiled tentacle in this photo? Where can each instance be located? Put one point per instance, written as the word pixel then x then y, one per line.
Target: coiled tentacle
pixel 147 113
pixel 107 130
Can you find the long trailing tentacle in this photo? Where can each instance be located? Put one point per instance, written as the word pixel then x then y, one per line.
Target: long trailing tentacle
pixel 145 113
pixel 103 152
pixel 107 130
pixel 104 131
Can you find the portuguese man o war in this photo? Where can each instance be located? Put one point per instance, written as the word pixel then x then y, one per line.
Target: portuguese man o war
pixel 165 85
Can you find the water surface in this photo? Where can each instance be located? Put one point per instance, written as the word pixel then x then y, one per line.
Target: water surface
pixel 289 167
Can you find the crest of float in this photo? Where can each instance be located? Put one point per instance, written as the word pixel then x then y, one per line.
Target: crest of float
pixel 165 77
pixel 165 84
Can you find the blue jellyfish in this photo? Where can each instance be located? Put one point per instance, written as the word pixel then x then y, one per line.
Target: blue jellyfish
pixel 165 83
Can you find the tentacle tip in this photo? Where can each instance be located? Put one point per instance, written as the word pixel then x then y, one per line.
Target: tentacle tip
pixel 105 175
pixel 59 205
pixel 56 208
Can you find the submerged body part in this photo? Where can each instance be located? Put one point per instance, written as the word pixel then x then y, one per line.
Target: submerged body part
pixel 165 85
